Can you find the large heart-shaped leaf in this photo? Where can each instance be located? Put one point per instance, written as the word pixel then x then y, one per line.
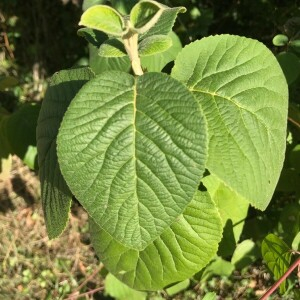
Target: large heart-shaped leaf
pixel 243 92
pixel 178 253
pixel 56 196
pixel 132 151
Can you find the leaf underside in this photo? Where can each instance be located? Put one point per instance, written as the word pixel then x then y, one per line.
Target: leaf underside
pixel 56 196
pixel 178 253
pixel 243 93
pixel 133 151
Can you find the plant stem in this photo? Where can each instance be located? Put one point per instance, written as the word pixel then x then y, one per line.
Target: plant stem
pixel 280 280
pixel 130 41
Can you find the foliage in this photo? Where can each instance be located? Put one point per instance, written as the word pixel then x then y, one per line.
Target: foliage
pixel 132 145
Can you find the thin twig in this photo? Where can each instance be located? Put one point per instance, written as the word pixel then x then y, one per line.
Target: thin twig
pixel 294 122
pixel 85 294
pixel 280 280
pixel 87 280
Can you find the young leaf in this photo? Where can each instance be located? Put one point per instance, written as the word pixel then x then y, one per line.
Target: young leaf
pixel 145 14
pixel 156 62
pixel 210 296
pixel 153 18
pixel 280 40
pixel 92 36
pixel 244 95
pixel 154 44
pixel 112 48
pixel 120 291
pixel 277 255
pixel 100 64
pixel 103 18
pixel 179 252
pixel 178 287
pixel 132 154
pixel 56 196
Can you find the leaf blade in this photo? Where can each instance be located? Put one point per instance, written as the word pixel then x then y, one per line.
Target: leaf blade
pixel 127 129
pixel 246 119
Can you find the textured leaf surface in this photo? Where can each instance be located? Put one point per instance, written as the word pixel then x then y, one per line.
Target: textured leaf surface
pixel 154 44
pixel 132 152
pixel 242 90
pixel 100 64
pixel 179 252
pixel 165 22
pixel 112 48
pixel 276 253
pixel 103 18
pixel 56 196
pixel 156 62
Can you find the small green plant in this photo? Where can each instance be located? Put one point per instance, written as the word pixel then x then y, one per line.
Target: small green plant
pixel 160 160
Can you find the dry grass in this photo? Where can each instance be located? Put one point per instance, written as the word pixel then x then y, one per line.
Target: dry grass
pixel 31 266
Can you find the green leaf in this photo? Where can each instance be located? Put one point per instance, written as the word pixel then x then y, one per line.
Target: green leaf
pixel 103 18
pixel 94 37
pixel 21 130
pixel 244 255
pixel 295 45
pixel 296 242
pixel 156 62
pixel 120 291
pixel 112 48
pixel 210 296
pixel 179 252
pixel 277 255
pixel 231 206
pixel 100 64
pixel 154 44
pixel 178 287
pixel 160 18
pixel 145 14
pixel 56 196
pixel 280 40
pixel 290 65
pixel 133 155
pixel 240 86
pixel 219 267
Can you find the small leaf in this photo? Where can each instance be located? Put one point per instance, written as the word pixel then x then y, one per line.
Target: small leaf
pixel 134 152
pixel 178 287
pixel 178 253
pixel 210 296
pixel 156 62
pixel 100 64
pixel 244 254
pixel 241 88
pixel 154 44
pixel 290 65
pixel 103 18
pixel 112 48
pixel 56 196
pixel 94 37
pixel 277 255
pixel 145 11
pixel 295 45
pixel 280 40
pixel 120 291
pixel 153 18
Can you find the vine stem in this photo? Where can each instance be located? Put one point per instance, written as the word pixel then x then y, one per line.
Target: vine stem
pixel 281 279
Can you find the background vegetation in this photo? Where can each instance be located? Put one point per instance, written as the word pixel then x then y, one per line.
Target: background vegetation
pixel 38 38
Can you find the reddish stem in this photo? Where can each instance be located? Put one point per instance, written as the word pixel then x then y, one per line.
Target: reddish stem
pixel 281 279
